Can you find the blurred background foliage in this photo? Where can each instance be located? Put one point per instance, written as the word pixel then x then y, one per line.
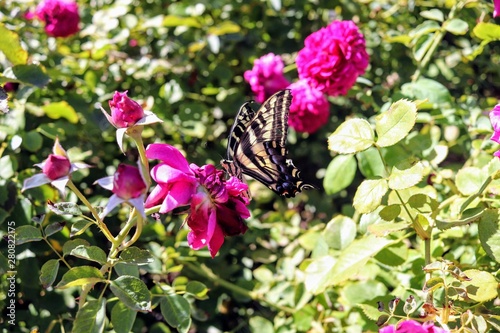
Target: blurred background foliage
pixel 184 60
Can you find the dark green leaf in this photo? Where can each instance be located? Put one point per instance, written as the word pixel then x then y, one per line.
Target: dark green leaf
pixel 48 272
pixel 198 289
pixel 79 227
pixel 65 208
pixel 91 317
pixel 122 318
pixel 27 74
pixel 32 141
pixel 71 244
pixel 339 174
pixel 27 233
pixel 92 253
pixel 391 212
pixel 54 228
pixel 176 311
pixel 132 292
pixel 79 276
pixel 134 255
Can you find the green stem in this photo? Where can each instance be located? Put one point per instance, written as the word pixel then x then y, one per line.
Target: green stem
pixel 100 223
pixel 438 37
pixel 57 253
pixel 123 233
pixel 144 163
pixel 207 273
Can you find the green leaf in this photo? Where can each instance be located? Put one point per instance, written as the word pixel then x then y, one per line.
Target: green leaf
pixel 176 311
pixel 92 253
pixel 487 31
pixel 481 287
pixel 401 179
pixel 469 180
pixel 7 165
pixel 79 276
pixel 393 255
pixel 261 325
pixel 65 208
pixel 317 274
pixel 134 255
pixel 433 14
pixel 369 195
pixel 79 227
pixel 423 203
pixel 394 124
pixel 339 173
pixel 457 27
pixel 383 229
pixel 48 272
pixel 389 213
pixel 71 244
pixel 32 141
pixel 91 317
pixel 176 21
pixel 56 110
pixel 197 289
pixel 54 228
pixel 226 27
pixel 28 74
pixel 422 46
pixel 339 232
pixel 10 45
pixel 27 233
pixel 355 257
pixel 427 89
pixel 370 163
pixel 489 234
pixel 352 136
pixel 122 318
pixel 132 292
pixel 424 28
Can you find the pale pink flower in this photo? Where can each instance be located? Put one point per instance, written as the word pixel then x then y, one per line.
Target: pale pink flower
pixel 266 76
pixel 333 57
pixel 60 16
pixel 309 109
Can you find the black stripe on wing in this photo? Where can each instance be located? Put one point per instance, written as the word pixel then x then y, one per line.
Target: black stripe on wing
pixel 257 146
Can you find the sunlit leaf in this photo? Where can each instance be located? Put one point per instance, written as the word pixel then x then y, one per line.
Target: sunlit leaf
pixel 56 110
pixel 92 253
pixel 134 255
pixel 469 180
pixel 369 195
pixel 10 45
pixel 482 286
pixel 73 243
pixel 487 31
pixel 339 232
pixel 394 124
pixel 48 272
pixel 27 233
pixel 352 136
pixel 79 276
pixel 489 233
pixel 176 311
pixel 132 292
pixel 405 178
pixel 457 26
pixel 122 318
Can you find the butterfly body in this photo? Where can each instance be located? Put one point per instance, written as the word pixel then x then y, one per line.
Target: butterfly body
pixel 256 146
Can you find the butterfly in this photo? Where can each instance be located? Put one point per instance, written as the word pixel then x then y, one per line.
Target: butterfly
pixel 257 146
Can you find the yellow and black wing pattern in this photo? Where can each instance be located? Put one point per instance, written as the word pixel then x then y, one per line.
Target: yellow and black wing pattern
pixel 257 146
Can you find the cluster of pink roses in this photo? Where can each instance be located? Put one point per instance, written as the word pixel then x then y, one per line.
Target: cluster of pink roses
pixel 330 62
pixel 61 17
pixel 218 206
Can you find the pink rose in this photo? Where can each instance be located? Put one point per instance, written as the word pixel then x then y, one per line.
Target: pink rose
pixel 495 122
pixel 496 11
pixel 333 57
pixel 266 77
pixel 128 182
pixel 60 16
pixel 56 166
pixel 125 112
pixel 412 326
pixel 310 108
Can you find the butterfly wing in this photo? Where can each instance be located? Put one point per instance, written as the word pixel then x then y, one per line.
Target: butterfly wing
pixel 257 146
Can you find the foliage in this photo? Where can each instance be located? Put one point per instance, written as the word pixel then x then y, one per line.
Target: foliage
pixel 408 209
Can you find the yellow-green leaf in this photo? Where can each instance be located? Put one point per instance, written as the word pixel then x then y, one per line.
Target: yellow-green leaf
pixel 10 45
pixel 79 276
pixel 405 178
pixel 62 109
pixel 352 136
pixel 482 287
pixel 394 124
pixel 369 195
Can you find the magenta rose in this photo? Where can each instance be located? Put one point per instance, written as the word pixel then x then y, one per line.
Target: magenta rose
pixel 266 76
pixel 60 16
pixel 128 182
pixel 309 109
pixel 495 122
pixel 56 166
pixel 412 326
pixel 125 112
pixel 333 57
